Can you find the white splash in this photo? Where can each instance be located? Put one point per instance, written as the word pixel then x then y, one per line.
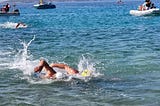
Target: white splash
pixel 22 59
pixel 11 25
pixel 87 63
pixel 24 63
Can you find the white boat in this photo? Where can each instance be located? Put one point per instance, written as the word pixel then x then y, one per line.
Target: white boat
pixel 154 11
pixel 43 5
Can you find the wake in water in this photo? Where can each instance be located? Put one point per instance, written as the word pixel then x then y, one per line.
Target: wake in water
pixel 87 63
pixel 12 25
pixel 24 63
pixel 22 59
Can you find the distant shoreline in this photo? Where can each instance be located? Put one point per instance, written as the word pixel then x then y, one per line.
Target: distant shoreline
pixel 32 1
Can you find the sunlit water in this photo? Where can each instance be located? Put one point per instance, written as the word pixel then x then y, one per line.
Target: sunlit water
pixel 122 50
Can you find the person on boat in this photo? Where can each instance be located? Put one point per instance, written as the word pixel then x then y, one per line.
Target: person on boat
pixel 152 6
pixel 41 2
pixel 7 7
pixel 50 72
pixel 49 3
pixel 146 5
pixel 20 24
pixel 3 9
pixel 140 8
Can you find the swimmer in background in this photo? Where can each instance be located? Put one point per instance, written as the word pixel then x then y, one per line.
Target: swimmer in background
pixel 20 24
pixel 50 72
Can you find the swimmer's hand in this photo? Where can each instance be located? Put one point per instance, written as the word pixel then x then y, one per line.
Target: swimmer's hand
pixel 38 69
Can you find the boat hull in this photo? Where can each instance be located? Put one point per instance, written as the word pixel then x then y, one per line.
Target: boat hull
pixel 10 14
pixel 45 6
pixel 155 11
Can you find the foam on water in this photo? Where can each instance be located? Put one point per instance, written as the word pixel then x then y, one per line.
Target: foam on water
pixel 23 61
pixel 86 62
pixel 11 25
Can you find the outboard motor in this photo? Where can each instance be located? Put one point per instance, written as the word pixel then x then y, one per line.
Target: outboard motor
pixel 16 10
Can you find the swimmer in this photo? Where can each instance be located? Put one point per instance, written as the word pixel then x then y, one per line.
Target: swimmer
pixel 20 24
pixel 50 72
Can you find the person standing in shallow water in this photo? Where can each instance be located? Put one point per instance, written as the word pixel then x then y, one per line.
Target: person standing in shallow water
pixel 50 72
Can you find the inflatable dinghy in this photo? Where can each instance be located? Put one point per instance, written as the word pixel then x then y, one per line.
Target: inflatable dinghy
pixel 154 11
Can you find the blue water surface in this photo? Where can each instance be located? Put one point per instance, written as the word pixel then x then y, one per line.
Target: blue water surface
pixel 124 49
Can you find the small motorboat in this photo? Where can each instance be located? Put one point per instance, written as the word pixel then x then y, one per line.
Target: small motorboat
pixel 10 14
pixel 154 11
pixel 5 11
pixel 14 13
pixel 43 5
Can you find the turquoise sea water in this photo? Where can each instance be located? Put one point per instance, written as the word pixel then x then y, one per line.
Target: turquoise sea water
pixel 123 51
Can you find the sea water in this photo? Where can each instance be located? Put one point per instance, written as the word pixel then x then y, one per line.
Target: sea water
pixel 122 50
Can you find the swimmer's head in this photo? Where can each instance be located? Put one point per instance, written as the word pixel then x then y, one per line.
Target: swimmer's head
pixel 86 73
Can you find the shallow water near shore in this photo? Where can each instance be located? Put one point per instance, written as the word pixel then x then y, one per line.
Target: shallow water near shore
pixel 123 51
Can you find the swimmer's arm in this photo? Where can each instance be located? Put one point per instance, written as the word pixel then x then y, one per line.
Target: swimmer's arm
pixel 58 65
pixel 17 25
pixel 65 67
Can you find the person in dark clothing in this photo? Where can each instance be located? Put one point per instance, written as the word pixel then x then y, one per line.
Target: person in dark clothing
pixel 152 6
pixel 148 4
pixel 7 7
